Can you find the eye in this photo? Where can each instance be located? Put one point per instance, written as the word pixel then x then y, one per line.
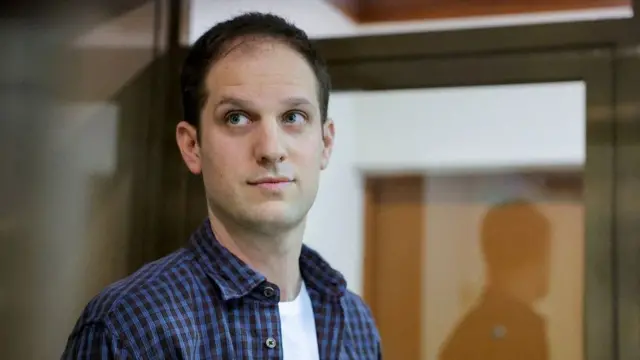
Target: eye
pixel 237 119
pixel 294 117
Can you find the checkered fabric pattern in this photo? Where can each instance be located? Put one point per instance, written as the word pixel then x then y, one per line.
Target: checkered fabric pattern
pixel 202 302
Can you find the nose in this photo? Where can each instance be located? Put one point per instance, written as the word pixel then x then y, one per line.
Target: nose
pixel 270 147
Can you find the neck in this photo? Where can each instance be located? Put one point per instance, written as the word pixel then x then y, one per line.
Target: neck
pixel 277 257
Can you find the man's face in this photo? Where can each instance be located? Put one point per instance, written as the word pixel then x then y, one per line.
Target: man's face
pixel 262 141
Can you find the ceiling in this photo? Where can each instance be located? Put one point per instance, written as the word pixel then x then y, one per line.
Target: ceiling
pixel 375 11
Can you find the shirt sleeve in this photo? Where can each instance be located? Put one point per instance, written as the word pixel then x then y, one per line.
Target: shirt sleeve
pixel 95 342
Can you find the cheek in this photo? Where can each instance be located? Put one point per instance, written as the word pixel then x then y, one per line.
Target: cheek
pixel 220 161
pixel 220 148
pixel 307 153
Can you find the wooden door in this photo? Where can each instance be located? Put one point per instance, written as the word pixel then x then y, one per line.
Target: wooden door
pixel 465 268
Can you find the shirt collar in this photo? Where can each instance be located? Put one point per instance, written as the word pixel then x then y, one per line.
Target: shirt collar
pixel 236 279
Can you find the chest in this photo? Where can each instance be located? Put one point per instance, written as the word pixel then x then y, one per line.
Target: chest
pixel 253 330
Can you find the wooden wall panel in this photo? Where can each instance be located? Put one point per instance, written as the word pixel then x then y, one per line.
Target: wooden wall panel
pixel 393 263
pixel 369 11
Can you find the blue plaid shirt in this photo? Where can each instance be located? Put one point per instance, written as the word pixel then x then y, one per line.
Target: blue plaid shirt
pixel 202 302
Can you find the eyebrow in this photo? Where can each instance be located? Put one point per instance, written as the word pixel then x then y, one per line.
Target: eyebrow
pixel 233 101
pixel 297 101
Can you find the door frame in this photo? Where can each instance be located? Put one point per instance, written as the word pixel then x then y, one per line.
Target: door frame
pixel 627 200
pixel 412 253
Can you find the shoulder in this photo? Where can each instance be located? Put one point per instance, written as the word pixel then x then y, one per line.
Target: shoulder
pixel 362 333
pixel 358 316
pixel 141 301
pixel 355 307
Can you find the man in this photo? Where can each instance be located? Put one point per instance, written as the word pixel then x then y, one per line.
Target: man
pixel 255 96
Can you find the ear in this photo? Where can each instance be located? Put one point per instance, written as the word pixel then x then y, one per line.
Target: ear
pixel 328 136
pixel 187 138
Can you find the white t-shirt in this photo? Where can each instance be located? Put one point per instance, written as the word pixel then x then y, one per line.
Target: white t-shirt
pixel 299 340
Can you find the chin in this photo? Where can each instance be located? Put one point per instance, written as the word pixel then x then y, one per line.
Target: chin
pixel 276 213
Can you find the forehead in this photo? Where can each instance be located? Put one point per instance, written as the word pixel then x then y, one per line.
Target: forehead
pixel 267 69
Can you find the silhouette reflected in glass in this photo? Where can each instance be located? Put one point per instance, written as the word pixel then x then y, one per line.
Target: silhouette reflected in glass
pixel 503 325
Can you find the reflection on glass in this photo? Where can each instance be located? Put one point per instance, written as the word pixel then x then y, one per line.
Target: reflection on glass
pixel 92 148
pixel 506 282
pixel 503 324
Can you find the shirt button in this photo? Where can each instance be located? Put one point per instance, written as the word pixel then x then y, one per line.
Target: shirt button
pixel 271 343
pixel 268 291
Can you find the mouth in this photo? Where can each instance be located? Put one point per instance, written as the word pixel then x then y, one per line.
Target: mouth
pixel 271 183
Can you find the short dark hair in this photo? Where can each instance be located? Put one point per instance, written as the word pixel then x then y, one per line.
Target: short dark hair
pixel 213 43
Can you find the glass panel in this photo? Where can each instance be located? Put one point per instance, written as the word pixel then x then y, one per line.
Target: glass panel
pixel 81 145
pixel 96 147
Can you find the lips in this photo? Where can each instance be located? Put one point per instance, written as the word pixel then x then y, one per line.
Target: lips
pixel 270 180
